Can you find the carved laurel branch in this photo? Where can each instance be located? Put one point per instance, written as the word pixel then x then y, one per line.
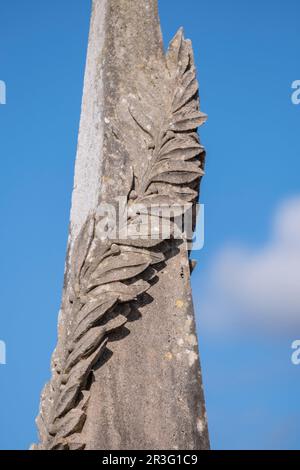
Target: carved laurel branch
pixel 107 276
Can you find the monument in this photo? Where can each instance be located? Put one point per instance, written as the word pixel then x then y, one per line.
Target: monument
pixel 126 372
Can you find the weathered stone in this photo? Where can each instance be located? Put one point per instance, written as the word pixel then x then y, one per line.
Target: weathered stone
pixel 125 373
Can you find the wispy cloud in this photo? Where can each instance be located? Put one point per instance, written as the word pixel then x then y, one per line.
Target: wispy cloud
pixel 257 288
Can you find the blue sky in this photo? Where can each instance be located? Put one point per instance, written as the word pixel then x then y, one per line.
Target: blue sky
pixel 247 58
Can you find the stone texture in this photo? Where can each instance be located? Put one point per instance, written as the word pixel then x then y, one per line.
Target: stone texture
pixel 149 394
pixel 126 373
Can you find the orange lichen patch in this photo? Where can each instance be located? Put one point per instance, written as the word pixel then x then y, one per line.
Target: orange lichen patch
pixel 169 356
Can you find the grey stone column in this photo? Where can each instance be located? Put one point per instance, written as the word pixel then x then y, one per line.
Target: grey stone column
pixel 136 383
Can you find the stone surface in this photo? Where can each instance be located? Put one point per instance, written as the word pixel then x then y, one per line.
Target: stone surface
pixel 126 373
pixel 149 395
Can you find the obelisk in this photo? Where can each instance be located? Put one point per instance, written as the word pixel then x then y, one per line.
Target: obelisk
pixel 126 372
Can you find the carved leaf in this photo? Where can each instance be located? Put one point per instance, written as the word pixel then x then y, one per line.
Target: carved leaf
pixel 58 443
pixel 157 200
pixel 189 88
pixel 156 257
pixel 123 292
pixel 102 249
pixel 85 346
pixel 95 308
pixel 70 423
pixel 189 122
pixel 182 194
pixel 75 382
pixel 89 322
pixel 119 268
pixel 163 206
pixel 67 399
pixel 181 148
pixel 178 56
pixel 176 172
pixel 76 442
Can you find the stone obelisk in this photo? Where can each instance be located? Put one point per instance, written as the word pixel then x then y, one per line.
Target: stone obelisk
pixel 126 372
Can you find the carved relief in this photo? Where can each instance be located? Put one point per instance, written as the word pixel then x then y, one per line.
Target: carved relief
pixel 108 275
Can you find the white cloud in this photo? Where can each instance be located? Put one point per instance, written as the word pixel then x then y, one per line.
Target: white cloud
pixel 257 288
